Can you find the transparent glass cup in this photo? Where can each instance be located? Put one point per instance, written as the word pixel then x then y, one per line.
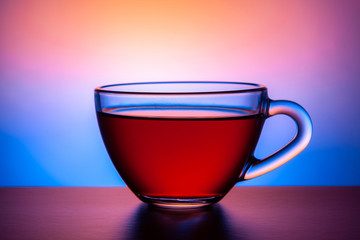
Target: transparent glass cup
pixel 186 144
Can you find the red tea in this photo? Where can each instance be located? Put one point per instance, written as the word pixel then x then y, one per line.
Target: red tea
pixel 179 152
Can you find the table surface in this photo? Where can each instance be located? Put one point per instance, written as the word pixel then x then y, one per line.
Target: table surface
pixel 245 213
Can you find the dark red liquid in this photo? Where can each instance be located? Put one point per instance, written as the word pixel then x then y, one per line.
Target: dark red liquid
pixel 179 153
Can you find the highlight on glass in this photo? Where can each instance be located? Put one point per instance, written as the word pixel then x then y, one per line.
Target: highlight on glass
pixel 186 144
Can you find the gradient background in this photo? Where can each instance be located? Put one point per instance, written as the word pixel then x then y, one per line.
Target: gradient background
pixel 54 53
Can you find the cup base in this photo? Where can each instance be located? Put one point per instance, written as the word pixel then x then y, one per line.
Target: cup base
pixel 179 203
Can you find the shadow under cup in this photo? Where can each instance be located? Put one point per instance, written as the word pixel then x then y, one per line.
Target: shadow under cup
pixel 182 144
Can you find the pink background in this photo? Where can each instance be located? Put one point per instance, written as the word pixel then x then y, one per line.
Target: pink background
pixel 54 53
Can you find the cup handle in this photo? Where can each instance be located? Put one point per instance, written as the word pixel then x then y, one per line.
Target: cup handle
pixel 302 119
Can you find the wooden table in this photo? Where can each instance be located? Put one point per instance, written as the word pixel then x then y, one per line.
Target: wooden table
pixel 245 213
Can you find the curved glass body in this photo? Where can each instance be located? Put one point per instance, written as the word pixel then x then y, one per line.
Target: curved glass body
pixel 185 144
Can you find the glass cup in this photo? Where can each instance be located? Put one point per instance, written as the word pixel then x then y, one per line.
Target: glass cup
pixel 186 144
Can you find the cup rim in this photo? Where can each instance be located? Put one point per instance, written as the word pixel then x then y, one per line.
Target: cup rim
pixel 246 87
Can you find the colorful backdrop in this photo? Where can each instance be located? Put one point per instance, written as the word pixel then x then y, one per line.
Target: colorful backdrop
pixel 54 53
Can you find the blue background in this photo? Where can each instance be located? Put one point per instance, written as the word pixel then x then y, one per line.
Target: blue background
pixel 53 54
